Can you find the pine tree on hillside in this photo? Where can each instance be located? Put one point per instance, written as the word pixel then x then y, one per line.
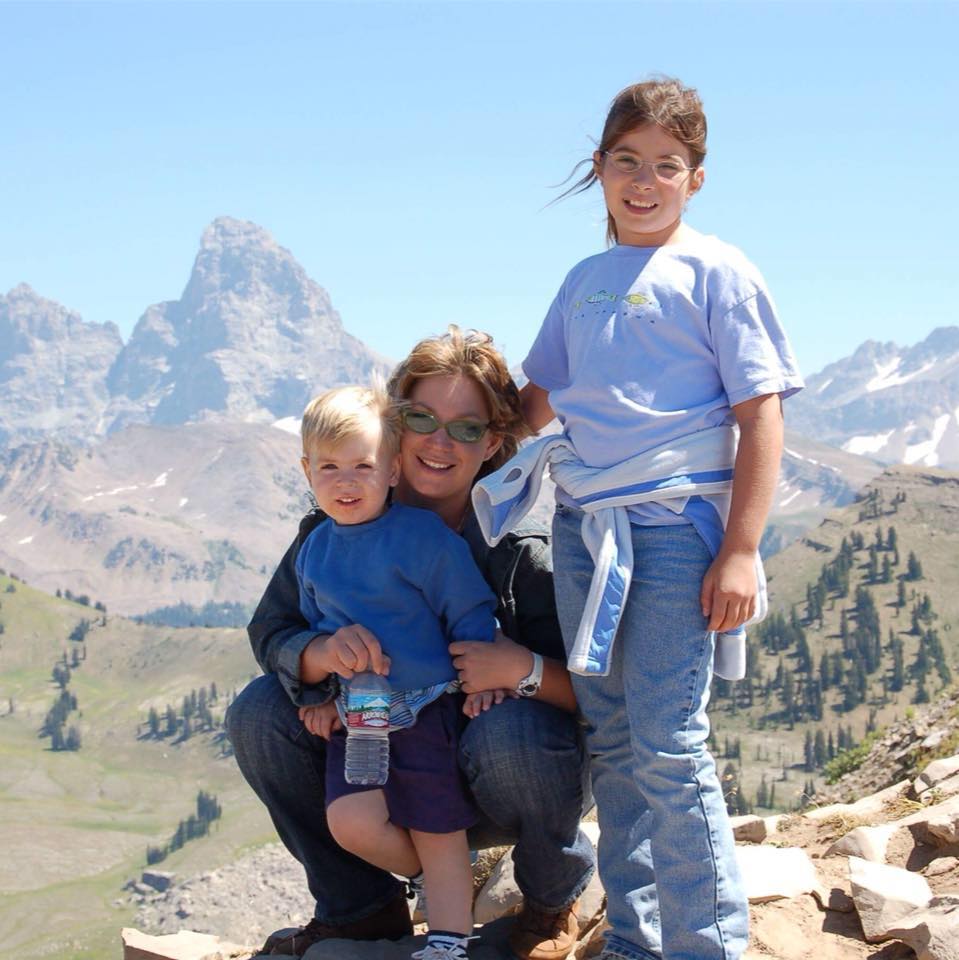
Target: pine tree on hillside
pixel 819 749
pixel 913 567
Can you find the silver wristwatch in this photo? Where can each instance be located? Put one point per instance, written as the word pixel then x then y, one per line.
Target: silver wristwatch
pixel 530 684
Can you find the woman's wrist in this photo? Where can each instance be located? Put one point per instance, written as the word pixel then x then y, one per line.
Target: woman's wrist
pixel 312 661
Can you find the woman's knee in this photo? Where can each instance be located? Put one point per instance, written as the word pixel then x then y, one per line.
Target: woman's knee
pixel 260 717
pixel 522 753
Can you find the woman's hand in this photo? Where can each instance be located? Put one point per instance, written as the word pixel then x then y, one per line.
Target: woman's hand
pixel 321 720
pixel 352 649
pixel 477 703
pixel 490 666
pixel 729 590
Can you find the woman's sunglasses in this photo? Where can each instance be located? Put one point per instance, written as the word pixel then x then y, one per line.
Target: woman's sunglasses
pixel 466 431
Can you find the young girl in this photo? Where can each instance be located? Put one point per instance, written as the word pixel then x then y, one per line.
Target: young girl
pixel 648 356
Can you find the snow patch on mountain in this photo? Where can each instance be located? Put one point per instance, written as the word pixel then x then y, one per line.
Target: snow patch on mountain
pixel 864 445
pixel 926 452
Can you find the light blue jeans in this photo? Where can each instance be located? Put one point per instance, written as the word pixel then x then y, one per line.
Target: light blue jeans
pixel 666 853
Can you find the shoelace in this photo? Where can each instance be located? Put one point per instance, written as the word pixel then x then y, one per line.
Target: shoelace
pixel 432 952
pixel 543 922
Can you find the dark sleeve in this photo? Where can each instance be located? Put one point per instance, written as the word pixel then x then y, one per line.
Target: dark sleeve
pixel 278 633
pixel 528 594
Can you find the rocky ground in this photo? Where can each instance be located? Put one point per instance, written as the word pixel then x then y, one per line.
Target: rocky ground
pixel 873 879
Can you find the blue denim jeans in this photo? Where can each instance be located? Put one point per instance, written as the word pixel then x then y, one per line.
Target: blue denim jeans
pixel 525 763
pixel 666 853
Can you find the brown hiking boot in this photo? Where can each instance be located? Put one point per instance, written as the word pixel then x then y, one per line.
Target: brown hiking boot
pixel 392 922
pixel 542 935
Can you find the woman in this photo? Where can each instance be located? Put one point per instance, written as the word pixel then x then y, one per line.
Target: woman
pixel 524 759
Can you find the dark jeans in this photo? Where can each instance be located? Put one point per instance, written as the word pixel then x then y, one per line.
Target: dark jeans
pixel 526 765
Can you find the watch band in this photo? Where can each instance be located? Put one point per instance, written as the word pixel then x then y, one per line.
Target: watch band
pixel 530 684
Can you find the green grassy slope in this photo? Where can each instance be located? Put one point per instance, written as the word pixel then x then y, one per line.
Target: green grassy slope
pixel 74 826
pixel 927 524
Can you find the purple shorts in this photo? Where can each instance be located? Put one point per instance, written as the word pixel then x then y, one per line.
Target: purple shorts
pixel 425 790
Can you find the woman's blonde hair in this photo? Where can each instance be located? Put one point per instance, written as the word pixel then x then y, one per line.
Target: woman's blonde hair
pixel 468 353
pixel 343 411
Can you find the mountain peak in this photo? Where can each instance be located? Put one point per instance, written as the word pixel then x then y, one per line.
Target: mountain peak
pixel 252 337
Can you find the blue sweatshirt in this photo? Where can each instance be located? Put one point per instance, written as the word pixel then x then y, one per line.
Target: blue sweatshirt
pixel 407 578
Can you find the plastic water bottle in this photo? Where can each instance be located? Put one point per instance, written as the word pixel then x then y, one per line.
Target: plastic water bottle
pixel 367 729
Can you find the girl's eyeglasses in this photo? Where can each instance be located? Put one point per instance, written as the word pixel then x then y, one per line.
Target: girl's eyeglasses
pixel 664 169
pixel 466 431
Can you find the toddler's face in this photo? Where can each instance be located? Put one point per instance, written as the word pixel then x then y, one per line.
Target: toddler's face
pixel 352 478
pixel 645 204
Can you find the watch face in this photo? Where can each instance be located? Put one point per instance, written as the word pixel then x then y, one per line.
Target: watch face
pixel 527 689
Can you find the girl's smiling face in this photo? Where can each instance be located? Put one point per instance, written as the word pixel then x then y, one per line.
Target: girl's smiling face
pixel 646 208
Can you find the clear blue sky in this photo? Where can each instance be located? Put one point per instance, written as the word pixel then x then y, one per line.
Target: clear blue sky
pixel 404 152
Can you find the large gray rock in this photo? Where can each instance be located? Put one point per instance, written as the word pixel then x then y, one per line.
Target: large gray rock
pixel 184 945
pixel 934 773
pixel 774 873
pixel 884 896
pixel 870 843
pixel 933 932
pixel 864 808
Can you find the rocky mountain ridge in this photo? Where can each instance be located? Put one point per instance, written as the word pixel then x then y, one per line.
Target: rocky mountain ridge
pixel 153 516
pixel 251 339
pixel 894 404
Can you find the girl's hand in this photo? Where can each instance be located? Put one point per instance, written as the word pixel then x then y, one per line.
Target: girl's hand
pixel 477 703
pixel 729 590
pixel 350 650
pixel 321 720
pixel 488 666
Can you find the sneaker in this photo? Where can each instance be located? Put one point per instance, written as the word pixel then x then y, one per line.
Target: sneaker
pixel 392 922
pixel 434 951
pixel 542 935
pixel 416 894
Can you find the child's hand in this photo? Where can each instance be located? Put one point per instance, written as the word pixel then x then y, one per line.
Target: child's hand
pixel 350 650
pixel 729 590
pixel 477 703
pixel 321 720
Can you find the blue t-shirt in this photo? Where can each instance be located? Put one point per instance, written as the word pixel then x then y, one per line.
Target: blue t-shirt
pixel 407 578
pixel 645 345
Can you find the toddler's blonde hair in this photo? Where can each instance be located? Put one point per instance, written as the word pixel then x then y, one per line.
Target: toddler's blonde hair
pixel 342 412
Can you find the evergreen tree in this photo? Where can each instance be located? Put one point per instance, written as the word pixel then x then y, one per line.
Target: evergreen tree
pixel 913 567
pixel 762 792
pixel 819 749
pixel 171 721
pixel 153 720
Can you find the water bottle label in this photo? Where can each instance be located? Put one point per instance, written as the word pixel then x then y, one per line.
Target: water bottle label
pixel 367 711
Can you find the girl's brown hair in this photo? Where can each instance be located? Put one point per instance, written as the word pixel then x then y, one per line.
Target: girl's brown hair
pixel 663 101
pixel 468 353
